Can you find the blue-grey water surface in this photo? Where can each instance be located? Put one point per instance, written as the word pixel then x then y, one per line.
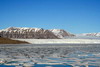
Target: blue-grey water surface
pixel 39 55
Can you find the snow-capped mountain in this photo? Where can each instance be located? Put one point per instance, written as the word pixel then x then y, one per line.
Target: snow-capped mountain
pixel 61 33
pixel 36 33
pixel 91 34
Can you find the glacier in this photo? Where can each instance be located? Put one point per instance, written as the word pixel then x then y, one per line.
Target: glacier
pixel 61 41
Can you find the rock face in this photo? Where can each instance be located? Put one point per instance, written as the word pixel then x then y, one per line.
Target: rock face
pixel 36 33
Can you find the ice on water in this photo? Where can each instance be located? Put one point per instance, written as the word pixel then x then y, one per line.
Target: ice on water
pixel 51 54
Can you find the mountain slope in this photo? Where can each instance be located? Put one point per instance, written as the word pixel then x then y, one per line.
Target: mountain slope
pixel 10 41
pixel 61 33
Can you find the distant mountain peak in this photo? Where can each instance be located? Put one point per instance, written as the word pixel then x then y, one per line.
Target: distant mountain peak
pixel 90 34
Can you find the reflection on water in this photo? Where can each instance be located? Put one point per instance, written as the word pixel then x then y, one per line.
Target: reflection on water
pixel 50 55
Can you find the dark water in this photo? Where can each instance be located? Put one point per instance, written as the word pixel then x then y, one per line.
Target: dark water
pixel 65 55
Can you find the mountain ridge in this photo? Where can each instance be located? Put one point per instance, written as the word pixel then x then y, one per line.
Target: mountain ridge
pixel 36 33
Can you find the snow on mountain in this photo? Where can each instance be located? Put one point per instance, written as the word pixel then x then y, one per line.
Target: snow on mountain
pixel 61 33
pixel 36 33
pixel 25 32
pixel 91 34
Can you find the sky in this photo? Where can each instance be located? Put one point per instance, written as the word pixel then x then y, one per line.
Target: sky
pixel 75 16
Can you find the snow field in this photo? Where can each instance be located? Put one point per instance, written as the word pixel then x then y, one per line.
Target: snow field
pixel 61 41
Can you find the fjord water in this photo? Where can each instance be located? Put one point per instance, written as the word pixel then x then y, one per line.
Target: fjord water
pixel 47 66
pixel 50 55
